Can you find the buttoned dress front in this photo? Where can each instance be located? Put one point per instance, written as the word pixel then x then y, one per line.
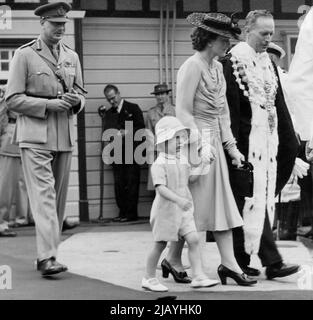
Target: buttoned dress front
pixel 167 219
pixel 46 138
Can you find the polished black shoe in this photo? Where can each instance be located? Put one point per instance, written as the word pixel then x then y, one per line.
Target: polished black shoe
pixel 69 225
pixel 49 267
pixel 179 277
pixel 8 233
pixel 241 279
pixel 251 272
pixel 128 219
pixel 62 266
pixel 281 270
pixel 117 219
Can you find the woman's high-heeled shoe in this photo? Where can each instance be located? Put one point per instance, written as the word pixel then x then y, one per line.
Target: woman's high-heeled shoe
pixel 241 279
pixel 179 277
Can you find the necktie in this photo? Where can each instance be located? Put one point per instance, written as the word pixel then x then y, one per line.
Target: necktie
pixel 55 53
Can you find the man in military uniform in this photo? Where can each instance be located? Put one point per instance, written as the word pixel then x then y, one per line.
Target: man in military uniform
pixel 14 204
pixel 161 109
pixel 45 89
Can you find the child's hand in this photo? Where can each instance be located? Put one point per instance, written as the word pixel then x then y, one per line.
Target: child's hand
pixel 184 204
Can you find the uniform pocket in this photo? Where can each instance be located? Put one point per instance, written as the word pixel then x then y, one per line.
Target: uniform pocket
pixel 39 81
pixel 31 130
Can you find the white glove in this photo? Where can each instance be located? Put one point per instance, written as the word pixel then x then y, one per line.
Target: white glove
pixel 236 156
pixel 300 168
pixel 207 153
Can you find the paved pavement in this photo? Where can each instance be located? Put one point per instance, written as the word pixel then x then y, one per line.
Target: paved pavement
pixel 107 262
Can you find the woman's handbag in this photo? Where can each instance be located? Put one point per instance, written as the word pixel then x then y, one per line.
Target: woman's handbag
pixel 241 179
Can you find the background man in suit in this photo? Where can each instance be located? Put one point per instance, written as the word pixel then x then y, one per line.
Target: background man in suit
pixel 126 173
pixel 41 89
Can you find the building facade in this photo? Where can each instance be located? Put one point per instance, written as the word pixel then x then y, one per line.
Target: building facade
pixel 134 44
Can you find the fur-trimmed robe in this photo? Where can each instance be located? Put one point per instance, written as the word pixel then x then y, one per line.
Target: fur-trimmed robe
pixel 241 116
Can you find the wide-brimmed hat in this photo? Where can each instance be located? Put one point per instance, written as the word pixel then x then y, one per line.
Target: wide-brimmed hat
pixel 166 128
pixel 161 88
pixel 55 12
pixel 274 48
pixel 217 23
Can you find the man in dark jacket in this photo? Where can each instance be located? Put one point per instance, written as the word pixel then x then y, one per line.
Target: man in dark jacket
pixel 261 124
pixel 125 119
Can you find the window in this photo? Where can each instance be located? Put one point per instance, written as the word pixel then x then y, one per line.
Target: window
pixel 6 54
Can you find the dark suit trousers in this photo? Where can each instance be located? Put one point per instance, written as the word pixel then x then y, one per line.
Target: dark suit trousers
pixel 126 185
pixel 268 252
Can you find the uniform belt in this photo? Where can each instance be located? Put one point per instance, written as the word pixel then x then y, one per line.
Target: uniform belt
pixel 12 120
pixel 43 97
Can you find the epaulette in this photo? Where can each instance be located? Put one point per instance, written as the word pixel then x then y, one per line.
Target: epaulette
pixel 28 44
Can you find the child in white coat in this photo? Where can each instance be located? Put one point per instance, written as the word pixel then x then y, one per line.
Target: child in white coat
pixel 172 209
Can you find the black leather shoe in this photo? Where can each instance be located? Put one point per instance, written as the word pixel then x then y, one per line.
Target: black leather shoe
pixel 282 270
pixel 49 267
pixel 251 272
pixel 8 233
pixel 241 279
pixel 117 219
pixel 179 277
pixel 62 266
pixel 128 219
pixel 68 225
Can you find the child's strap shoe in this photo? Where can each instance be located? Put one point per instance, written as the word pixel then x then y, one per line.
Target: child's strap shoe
pixel 153 284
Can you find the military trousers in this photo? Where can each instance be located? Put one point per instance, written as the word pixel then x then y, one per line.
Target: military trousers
pixel 47 177
pixel 14 204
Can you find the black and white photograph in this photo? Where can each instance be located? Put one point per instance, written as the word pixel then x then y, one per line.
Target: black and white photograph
pixel 156 154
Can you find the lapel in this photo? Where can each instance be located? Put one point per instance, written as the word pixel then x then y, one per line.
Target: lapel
pixel 46 53
pixel 122 112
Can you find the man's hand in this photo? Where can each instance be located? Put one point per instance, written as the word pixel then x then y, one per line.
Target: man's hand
pixel 309 151
pixel 58 105
pixel 72 98
pixel 300 168
pixel 184 204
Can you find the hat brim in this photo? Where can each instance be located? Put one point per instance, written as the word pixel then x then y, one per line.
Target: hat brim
pixel 158 92
pixel 197 18
pixel 57 19
pixel 277 50
pixel 169 135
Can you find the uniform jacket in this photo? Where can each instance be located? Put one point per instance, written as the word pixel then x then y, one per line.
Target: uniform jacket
pixel 7 148
pixel 31 83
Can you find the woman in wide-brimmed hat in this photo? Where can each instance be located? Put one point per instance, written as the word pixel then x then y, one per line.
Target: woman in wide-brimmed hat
pixel 201 105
